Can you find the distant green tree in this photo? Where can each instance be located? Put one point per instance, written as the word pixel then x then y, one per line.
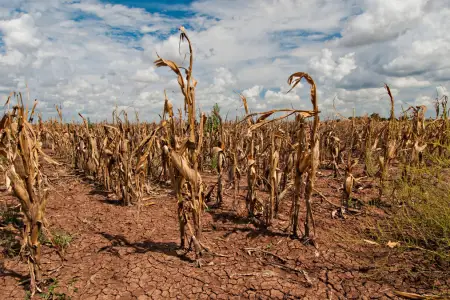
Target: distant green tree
pixel 375 116
pixel 212 122
pixel 89 122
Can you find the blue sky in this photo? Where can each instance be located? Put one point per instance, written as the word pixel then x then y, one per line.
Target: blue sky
pixel 173 8
pixel 91 55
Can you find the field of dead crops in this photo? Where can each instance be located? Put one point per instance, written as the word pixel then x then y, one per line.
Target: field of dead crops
pixel 276 205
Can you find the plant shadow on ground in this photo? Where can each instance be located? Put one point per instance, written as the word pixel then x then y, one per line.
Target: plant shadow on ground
pixel 99 191
pixel 4 272
pixel 115 202
pixel 223 216
pixel 167 248
pixel 24 282
pixel 23 279
pixel 258 230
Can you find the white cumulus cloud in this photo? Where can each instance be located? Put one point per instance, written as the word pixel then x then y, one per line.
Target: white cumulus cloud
pixel 91 55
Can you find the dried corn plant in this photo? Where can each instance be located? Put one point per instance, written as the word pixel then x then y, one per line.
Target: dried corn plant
pixel 20 151
pixel 251 198
pixel 307 158
pixel 332 144
pixel 389 146
pixel 261 122
pixel 185 165
pixel 288 144
pixel 219 152
pixel 349 179
pixel 413 142
pixel 300 168
pixel 121 156
pixel 371 139
pixel 273 177
pixel 234 173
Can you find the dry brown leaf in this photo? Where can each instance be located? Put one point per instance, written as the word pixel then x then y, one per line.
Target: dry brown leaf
pixel 416 296
pixel 216 150
pixel 393 244
pixel 371 242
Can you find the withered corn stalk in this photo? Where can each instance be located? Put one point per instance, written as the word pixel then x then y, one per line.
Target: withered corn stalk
pixel 20 151
pixel 251 197
pixel 310 158
pixel 260 122
pixel 301 166
pixel 413 141
pixel 185 165
pixel 349 180
pixel 275 172
pixel 389 146
pixel 234 174
pixel 272 204
pixel 219 152
pixel 370 145
pixel 333 144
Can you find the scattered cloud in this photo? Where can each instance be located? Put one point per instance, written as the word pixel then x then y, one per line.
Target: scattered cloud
pixel 329 68
pixel 91 55
pixel 382 20
pixel 253 92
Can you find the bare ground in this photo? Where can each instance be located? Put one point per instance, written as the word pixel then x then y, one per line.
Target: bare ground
pixel 120 253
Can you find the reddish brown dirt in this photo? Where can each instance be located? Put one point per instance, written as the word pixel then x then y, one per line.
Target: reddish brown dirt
pixel 120 254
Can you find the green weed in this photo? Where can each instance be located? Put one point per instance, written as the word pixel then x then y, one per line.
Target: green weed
pixel 421 216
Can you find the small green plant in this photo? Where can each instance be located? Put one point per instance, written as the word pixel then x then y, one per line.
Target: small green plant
pixel 62 239
pixel 51 294
pixel 72 282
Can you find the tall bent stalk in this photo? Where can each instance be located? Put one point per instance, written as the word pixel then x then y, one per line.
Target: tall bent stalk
pixel 185 167
pixel 313 160
pixel 390 145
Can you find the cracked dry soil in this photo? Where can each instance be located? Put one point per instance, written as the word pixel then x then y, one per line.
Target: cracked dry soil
pixel 120 253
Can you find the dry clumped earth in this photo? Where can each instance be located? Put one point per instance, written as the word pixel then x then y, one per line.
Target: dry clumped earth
pixel 117 252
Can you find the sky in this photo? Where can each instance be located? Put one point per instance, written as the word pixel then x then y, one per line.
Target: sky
pixel 90 56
